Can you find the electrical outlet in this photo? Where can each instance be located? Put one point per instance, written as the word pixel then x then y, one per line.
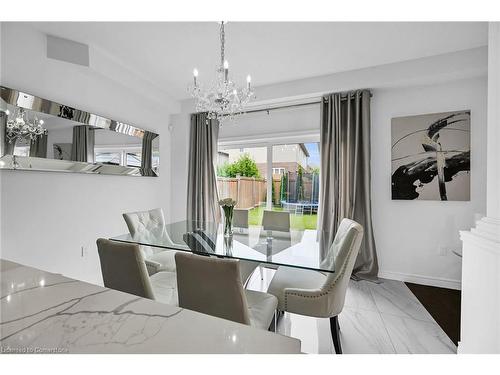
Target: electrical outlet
pixel 84 250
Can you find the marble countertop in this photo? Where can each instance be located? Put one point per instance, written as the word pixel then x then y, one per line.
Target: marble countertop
pixel 43 312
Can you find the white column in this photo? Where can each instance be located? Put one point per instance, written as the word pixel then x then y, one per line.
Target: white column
pixel 269 177
pixel 480 319
pixel 493 164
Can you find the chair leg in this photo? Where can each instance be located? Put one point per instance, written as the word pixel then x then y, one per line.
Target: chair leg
pixel 274 323
pixel 261 272
pixel 335 329
pixel 279 315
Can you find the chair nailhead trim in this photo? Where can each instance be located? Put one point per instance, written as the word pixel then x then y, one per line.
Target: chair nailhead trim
pixel 323 293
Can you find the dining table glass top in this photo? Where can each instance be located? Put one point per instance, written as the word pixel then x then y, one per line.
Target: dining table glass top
pixel 296 248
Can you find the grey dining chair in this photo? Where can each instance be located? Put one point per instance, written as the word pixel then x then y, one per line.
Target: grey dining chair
pixel 240 221
pixel 240 218
pixel 213 286
pixel 276 220
pixel 319 294
pixel 123 268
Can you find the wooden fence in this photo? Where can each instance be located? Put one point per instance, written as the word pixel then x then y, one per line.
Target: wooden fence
pixel 248 192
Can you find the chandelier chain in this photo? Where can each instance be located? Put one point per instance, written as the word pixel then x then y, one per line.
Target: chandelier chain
pixel 222 44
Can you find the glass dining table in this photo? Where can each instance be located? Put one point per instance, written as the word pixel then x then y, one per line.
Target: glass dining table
pixel 296 248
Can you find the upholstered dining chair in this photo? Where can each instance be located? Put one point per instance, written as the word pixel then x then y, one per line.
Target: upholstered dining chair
pixel 240 218
pixel 318 294
pixel 123 268
pixel 213 286
pixel 240 221
pixel 151 223
pixel 276 220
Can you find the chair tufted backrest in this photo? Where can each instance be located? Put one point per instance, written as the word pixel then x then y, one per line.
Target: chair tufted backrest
pixel 145 222
pixel 342 255
pixel 123 268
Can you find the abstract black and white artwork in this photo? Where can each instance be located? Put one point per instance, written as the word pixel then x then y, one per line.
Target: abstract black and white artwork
pixel 62 151
pixel 431 157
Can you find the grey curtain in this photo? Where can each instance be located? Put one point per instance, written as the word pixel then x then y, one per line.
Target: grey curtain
pixel 202 197
pixel 9 147
pixel 82 148
pixel 345 173
pixel 38 148
pixel 147 154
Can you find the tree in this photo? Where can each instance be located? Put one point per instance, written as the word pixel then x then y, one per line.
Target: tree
pixel 315 170
pixel 284 187
pixel 245 166
pixel 300 184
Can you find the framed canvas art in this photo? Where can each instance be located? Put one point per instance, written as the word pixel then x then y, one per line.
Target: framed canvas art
pixel 431 156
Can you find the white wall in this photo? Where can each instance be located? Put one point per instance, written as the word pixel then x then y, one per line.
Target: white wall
pixel 48 217
pixel 408 234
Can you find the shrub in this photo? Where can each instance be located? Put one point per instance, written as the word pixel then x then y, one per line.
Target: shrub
pixel 245 166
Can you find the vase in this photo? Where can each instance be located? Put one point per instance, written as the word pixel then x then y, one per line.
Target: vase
pixel 228 221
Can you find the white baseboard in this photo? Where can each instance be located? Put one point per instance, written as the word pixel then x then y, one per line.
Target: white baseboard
pixel 423 280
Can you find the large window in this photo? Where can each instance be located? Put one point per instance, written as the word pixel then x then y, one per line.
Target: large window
pixel 241 175
pixel 279 177
pixel 126 156
pixel 108 157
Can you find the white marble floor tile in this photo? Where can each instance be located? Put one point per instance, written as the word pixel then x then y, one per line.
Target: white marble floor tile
pixel 358 296
pixel 417 336
pixel 394 297
pixel 377 318
pixel 363 332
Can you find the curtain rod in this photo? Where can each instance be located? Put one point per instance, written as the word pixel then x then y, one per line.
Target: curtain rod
pixel 299 104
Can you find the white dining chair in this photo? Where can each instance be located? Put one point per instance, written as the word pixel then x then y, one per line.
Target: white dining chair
pixel 123 268
pixel 213 286
pixel 319 294
pixel 150 224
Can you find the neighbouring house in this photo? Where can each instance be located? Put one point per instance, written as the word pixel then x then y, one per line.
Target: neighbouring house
pixel 286 158
pixel 222 158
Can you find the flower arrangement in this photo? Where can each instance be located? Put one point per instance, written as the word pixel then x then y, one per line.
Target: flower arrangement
pixel 227 205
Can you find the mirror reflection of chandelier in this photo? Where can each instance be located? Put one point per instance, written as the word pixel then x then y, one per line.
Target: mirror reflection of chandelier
pixel 21 127
pixel 223 98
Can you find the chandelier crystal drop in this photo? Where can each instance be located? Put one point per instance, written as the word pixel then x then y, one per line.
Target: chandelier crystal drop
pixel 223 99
pixel 21 127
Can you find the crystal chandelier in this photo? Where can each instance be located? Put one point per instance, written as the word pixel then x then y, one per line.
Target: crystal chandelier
pixel 223 99
pixel 20 127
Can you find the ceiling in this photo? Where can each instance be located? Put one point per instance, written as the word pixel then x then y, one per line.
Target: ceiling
pixel 166 52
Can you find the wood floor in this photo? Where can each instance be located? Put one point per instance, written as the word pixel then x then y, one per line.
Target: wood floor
pixel 377 318
pixel 443 305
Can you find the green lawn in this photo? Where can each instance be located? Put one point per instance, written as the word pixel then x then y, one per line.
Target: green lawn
pixel 300 222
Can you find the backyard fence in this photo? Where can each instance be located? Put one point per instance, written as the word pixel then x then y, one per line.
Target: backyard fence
pixel 293 191
pixel 248 192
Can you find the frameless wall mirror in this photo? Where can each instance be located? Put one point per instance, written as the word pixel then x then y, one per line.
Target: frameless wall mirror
pixel 39 134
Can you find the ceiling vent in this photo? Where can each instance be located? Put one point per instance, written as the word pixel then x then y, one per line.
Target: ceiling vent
pixel 67 50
